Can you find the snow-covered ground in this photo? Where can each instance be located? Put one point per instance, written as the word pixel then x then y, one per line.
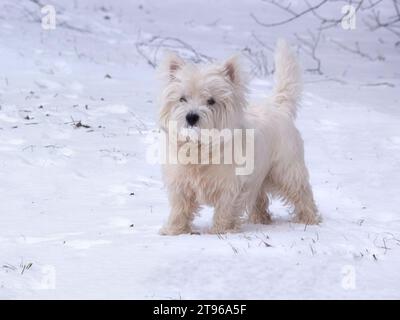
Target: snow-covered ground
pixel 80 207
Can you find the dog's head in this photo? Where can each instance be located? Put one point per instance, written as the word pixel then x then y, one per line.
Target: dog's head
pixel 201 96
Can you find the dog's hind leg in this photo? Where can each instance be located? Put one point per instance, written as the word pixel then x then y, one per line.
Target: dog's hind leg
pixel 305 209
pixel 259 213
pixel 295 189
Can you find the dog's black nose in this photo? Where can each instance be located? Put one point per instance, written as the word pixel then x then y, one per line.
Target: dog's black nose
pixel 192 118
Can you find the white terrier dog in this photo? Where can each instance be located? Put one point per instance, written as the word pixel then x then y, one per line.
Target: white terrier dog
pixel 214 97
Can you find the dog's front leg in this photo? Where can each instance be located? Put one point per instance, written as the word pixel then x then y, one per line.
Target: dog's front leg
pixel 227 217
pixel 183 208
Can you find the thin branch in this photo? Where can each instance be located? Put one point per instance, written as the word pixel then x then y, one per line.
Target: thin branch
pixel 310 47
pixel 150 48
pixel 332 22
pixel 371 5
pixel 391 24
pixel 258 58
pixel 358 51
pixel 379 84
pixel 294 14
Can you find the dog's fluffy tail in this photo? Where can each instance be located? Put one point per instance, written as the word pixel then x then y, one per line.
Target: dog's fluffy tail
pixel 288 81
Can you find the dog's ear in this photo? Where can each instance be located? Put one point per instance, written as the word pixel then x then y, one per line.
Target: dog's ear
pixel 170 65
pixel 231 68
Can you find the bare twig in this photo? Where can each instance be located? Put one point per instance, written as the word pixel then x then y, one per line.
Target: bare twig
pixel 391 24
pixel 327 23
pixel 310 47
pixel 295 15
pixel 358 51
pixel 378 84
pixel 258 60
pixel 149 49
pixel 258 57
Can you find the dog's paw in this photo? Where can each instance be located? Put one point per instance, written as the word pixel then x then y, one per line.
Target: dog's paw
pixel 308 220
pixel 260 218
pixel 224 229
pixel 171 231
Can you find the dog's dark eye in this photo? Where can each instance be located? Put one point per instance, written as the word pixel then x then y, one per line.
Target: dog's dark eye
pixel 211 101
pixel 182 99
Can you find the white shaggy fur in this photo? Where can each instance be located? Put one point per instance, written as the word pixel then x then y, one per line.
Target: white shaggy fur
pixel 279 168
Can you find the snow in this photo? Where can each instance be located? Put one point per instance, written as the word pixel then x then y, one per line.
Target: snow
pixel 81 206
